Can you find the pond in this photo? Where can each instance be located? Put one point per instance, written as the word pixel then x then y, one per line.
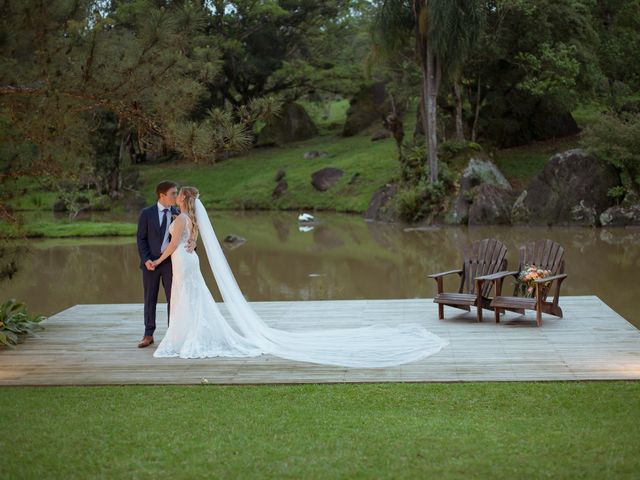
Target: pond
pixel 342 258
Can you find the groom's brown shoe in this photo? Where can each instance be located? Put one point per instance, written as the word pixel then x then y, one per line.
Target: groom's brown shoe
pixel 146 341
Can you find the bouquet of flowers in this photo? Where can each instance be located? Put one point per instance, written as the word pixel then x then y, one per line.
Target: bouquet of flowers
pixel 527 280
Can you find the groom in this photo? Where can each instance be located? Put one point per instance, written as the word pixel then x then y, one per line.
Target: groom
pixel 153 239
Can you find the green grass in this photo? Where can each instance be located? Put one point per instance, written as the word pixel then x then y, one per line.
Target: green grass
pixel 477 430
pixel 64 229
pixel 521 164
pixel 247 182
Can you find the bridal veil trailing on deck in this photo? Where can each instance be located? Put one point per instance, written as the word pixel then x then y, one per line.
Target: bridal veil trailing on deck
pixel 362 347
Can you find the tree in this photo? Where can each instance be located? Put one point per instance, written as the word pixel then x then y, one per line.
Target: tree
pixel 444 32
pixel 528 70
pixel 284 47
pixel 70 67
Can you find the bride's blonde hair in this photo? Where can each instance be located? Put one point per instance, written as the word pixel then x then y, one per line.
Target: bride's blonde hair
pixel 190 195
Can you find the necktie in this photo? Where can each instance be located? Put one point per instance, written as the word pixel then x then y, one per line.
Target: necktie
pixel 163 225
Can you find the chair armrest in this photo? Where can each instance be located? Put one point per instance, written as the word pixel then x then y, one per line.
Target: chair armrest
pixel 497 276
pixel 442 274
pixel 551 279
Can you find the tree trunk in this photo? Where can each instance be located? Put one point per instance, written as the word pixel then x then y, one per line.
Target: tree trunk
pixel 432 78
pixel 457 91
pixel 476 116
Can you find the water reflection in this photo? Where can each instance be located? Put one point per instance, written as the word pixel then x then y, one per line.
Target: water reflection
pixel 341 258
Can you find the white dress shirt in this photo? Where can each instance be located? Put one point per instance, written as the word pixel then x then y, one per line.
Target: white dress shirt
pixel 165 241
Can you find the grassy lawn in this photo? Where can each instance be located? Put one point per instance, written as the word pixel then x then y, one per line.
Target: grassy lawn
pixel 247 182
pixel 474 430
pixel 521 164
pixel 63 229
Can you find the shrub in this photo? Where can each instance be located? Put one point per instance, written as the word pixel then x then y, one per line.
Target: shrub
pixel 615 139
pixel 16 323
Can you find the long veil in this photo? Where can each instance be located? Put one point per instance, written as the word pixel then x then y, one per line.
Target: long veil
pixel 363 347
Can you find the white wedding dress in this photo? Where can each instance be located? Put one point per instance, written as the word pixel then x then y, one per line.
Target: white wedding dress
pixel 198 329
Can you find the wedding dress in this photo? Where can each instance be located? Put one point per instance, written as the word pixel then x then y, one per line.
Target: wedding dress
pixel 198 328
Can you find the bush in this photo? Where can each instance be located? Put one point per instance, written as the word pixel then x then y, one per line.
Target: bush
pixel 425 200
pixel 453 148
pixel 16 323
pixel 615 139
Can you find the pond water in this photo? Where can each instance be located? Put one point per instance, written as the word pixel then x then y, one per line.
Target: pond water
pixel 342 258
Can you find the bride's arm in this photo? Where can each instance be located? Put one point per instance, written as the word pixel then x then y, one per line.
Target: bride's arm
pixel 179 223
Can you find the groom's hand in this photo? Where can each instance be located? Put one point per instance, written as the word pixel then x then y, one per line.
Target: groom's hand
pixel 190 246
pixel 150 266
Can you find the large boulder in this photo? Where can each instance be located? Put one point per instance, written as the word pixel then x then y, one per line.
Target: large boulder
pixel 379 208
pixel 369 105
pixel 571 190
pixel 621 216
pixel 491 205
pixel 322 180
pixel 481 172
pixel 291 125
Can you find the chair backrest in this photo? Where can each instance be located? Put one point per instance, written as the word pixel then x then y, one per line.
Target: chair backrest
pixel 545 254
pixel 482 257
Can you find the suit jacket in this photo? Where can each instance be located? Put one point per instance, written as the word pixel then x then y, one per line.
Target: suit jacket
pixel 149 235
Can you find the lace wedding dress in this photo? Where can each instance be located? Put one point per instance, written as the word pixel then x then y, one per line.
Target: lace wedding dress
pixel 198 328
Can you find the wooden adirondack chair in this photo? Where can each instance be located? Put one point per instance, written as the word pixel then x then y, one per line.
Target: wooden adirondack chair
pixel 545 254
pixel 482 257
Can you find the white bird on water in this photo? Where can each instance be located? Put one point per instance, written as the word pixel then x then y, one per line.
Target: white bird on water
pixel 306 217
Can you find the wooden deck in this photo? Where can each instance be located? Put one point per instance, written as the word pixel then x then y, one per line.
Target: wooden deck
pixel 96 344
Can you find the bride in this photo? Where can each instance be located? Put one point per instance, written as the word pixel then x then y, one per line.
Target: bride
pixel 198 329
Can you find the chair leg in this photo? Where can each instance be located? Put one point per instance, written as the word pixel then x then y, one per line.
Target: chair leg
pixel 538 304
pixel 479 316
pixel 440 311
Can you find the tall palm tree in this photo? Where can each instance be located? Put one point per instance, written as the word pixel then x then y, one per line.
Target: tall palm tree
pixel 444 32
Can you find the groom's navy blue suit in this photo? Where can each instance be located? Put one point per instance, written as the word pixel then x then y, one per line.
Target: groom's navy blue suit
pixel 150 239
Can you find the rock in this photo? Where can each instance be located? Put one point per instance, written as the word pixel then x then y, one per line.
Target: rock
pixel 632 106
pixel 547 125
pixel 491 205
pixel 530 121
pixel 315 154
pixel 354 178
pixel 292 125
pixel 234 239
pixel 621 216
pixel 370 104
pixel 324 179
pixel 280 189
pixel 379 205
pixel 380 135
pixel 479 171
pixel 570 190
pixel 280 174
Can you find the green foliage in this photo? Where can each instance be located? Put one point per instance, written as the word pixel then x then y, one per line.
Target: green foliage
pixel 454 148
pixel 615 139
pixel 552 72
pixel 423 201
pixel 617 193
pixel 418 198
pixel 16 323
pixel 291 48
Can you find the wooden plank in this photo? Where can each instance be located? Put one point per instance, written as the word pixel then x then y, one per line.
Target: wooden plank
pixel 96 345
